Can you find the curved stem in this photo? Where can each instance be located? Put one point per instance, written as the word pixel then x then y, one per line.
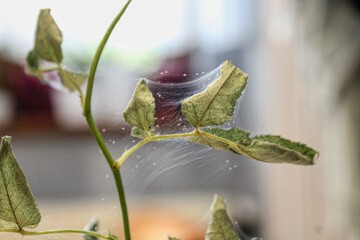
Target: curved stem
pixel 118 163
pixel 97 56
pixel 57 231
pixel 94 129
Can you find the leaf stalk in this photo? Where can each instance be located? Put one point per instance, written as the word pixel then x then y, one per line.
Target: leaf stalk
pixel 57 231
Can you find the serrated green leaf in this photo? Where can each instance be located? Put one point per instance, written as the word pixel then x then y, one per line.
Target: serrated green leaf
pixel 48 38
pixel 220 226
pixel 141 109
pixel 72 80
pixel 92 226
pixel 17 205
pixel 266 148
pixel 215 105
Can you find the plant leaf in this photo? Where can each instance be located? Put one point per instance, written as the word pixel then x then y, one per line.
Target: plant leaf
pixel 48 38
pixel 71 80
pixel 220 226
pixel 32 60
pixel 17 205
pixel 139 133
pixel 215 105
pixel 141 109
pixel 266 148
pixel 173 238
pixel 92 226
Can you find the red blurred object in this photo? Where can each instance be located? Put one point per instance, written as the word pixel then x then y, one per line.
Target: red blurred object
pixel 33 106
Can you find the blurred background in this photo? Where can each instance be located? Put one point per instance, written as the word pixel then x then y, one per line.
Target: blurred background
pixel 303 62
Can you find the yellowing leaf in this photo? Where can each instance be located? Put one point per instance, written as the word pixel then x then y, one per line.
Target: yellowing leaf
pixel 48 38
pixel 141 109
pixel 220 226
pixel 17 205
pixel 266 148
pixel 215 105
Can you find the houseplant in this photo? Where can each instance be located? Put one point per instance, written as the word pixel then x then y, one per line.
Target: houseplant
pixel 205 113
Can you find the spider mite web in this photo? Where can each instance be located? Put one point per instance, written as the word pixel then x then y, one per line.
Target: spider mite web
pixel 178 168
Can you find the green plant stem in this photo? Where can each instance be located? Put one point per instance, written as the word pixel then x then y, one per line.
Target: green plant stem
pixel 146 140
pixel 196 132
pixel 57 231
pixel 49 69
pixel 127 153
pixel 95 131
pixel 222 140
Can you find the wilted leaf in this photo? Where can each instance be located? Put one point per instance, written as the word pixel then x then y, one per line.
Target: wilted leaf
pixel 220 226
pixel 215 105
pixel 48 38
pixel 71 80
pixel 141 109
pixel 266 148
pixel 17 205
pixel 92 226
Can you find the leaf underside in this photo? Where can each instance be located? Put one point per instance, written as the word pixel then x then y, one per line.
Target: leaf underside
pixel 266 148
pixel 140 112
pixel 17 205
pixel 215 105
pixel 220 226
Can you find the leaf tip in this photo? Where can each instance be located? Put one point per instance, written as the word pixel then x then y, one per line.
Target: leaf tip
pixel 218 203
pixel 5 140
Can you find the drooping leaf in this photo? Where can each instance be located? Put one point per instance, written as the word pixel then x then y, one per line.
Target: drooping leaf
pixel 48 38
pixel 215 105
pixel 92 226
pixel 266 148
pixel 17 205
pixel 72 80
pixel 220 226
pixel 141 109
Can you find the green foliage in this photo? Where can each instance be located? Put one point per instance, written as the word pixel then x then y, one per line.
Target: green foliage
pixel 17 205
pixel 266 148
pixel 140 112
pixel 71 80
pixel 215 105
pixel 220 226
pixel 48 38
pixel 204 111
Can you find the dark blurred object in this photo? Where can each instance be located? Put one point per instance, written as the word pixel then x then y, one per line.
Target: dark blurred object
pixel 166 89
pixel 33 106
